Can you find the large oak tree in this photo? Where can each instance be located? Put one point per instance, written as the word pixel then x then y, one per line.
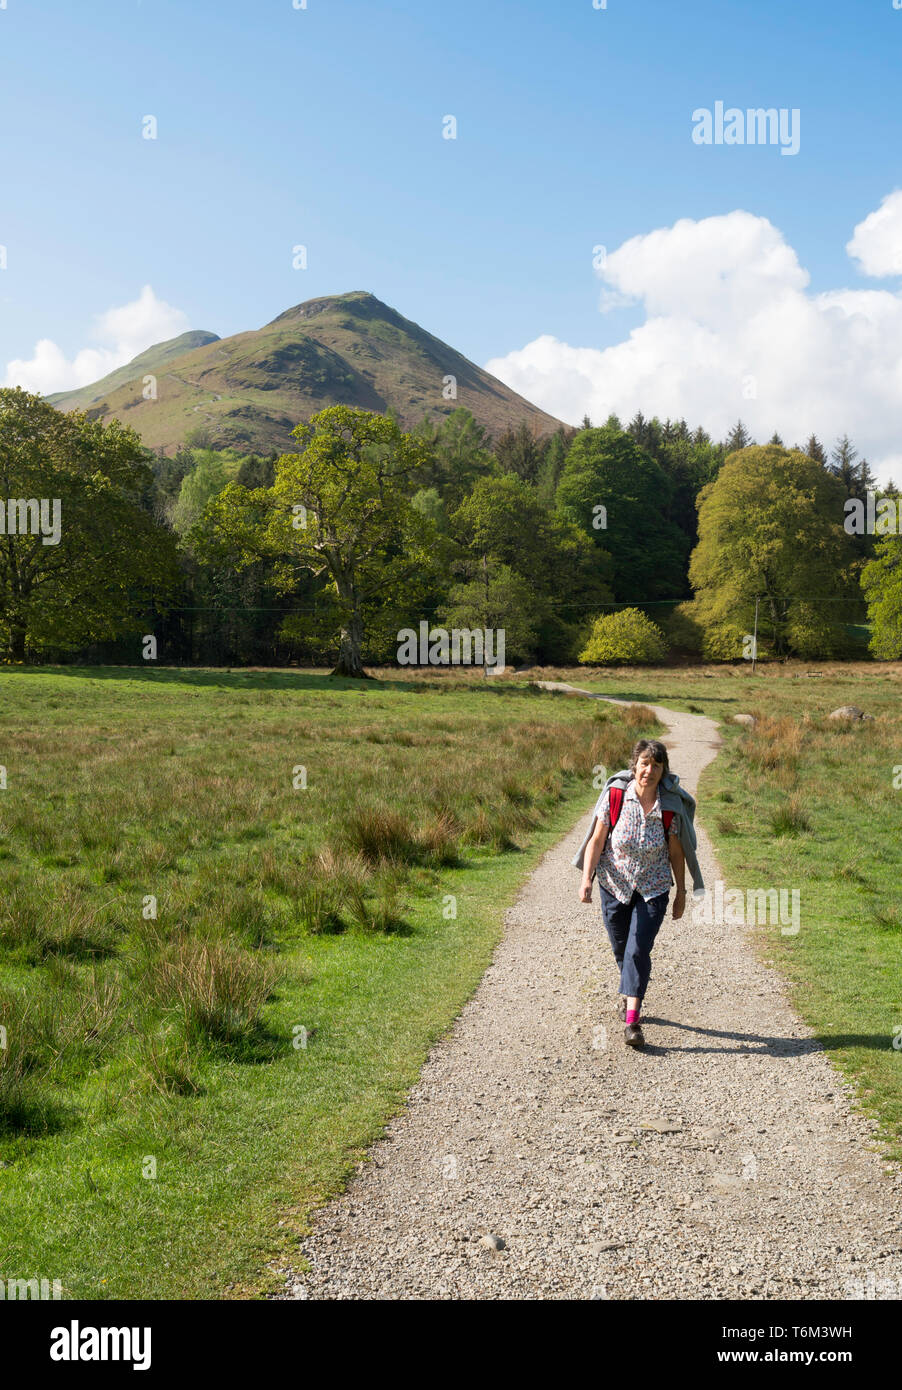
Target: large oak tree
pixel 770 528
pixel 343 512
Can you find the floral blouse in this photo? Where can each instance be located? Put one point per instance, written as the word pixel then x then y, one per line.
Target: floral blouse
pixel 635 857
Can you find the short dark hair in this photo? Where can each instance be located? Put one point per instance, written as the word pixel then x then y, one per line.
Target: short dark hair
pixel 654 748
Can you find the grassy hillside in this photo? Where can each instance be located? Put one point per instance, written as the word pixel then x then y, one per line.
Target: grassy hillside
pixel 250 390
pixel 177 1085
pixel 151 361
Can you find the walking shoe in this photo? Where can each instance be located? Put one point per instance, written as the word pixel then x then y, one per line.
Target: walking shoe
pixel 633 1035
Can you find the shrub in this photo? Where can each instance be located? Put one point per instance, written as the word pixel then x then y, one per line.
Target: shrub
pixel 850 871
pixel 319 902
pixel 638 717
pixel 254 919
pixel 41 922
pixel 380 834
pixel 813 636
pixel 16 1060
pixel 495 828
pixel 219 990
pixel 627 638
pixel 789 819
pixel 724 642
pixel 382 911
pixel 772 745
pixel 881 584
pixel 167 1065
pixel 683 631
pixel 438 841
pixel 30 1050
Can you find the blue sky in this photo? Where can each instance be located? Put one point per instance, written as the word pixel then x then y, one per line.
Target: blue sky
pixel 323 126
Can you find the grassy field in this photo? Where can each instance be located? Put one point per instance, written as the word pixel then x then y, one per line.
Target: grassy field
pixel 235 911
pixel 805 802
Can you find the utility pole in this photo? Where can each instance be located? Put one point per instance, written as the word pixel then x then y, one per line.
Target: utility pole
pixel 485 576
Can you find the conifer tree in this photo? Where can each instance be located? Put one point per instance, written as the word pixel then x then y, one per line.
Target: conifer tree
pixel 738 438
pixel 843 465
pixel 815 450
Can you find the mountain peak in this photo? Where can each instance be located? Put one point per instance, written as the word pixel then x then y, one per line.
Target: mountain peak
pixel 360 302
pixel 248 391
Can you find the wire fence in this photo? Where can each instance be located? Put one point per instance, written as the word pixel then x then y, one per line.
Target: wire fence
pixel 223 635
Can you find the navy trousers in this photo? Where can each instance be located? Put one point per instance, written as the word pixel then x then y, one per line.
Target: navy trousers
pixel 632 928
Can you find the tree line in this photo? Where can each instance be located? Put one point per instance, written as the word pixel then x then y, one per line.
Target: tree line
pixel 324 554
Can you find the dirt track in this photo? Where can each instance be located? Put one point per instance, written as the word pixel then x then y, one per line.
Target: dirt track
pixel 724 1161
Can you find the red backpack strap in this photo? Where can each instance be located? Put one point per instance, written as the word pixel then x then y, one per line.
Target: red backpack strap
pixel 615 802
pixel 667 818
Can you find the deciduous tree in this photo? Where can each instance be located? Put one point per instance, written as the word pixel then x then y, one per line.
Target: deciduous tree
pixel 343 512
pixel 112 560
pixel 770 527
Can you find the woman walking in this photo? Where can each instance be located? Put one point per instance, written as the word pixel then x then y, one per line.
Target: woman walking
pixel 636 862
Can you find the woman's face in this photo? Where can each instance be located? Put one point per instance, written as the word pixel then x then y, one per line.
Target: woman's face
pixel 648 773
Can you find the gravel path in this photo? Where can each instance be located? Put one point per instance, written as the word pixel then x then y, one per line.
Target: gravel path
pixel 727 1160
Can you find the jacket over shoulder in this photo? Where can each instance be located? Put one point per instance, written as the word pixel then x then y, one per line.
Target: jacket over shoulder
pixel 673 797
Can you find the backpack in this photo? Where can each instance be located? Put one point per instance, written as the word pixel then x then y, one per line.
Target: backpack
pixel 616 804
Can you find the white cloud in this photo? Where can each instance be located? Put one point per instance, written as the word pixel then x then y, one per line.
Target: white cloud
pixel 123 332
pixel 731 330
pixel 877 242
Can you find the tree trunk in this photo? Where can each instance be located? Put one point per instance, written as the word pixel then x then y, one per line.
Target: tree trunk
pixel 349 662
pixel 779 644
pixel 17 642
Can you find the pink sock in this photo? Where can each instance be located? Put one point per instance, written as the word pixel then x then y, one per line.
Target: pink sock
pixel 632 1016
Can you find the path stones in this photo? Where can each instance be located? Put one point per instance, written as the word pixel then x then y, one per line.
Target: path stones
pixel 728 1182
pixel 662 1126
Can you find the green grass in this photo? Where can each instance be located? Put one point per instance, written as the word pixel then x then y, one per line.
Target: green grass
pixel 180 1086
pixel 804 802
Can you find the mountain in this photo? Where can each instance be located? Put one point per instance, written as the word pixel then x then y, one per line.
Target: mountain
pixel 250 390
pixel 150 361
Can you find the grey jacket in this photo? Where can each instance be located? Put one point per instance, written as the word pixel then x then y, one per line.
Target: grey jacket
pixel 673 797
